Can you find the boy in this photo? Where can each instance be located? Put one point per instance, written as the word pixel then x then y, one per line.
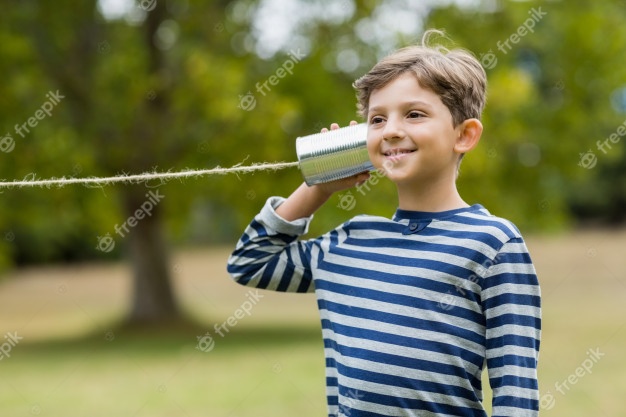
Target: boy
pixel 411 307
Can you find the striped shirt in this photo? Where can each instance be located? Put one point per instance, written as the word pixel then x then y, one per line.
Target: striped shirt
pixel 412 308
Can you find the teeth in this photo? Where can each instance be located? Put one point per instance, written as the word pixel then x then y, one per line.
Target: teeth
pixel 395 152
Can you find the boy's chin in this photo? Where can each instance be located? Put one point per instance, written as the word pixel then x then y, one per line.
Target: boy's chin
pixel 385 165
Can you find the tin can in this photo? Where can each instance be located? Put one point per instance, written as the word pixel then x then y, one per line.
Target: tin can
pixel 332 155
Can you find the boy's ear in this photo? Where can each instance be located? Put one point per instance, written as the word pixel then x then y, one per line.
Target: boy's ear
pixel 469 135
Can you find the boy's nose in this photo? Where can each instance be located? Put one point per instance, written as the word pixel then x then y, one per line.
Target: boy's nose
pixel 392 130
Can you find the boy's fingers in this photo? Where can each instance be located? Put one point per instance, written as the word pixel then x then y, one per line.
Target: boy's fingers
pixel 361 178
pixel 335 126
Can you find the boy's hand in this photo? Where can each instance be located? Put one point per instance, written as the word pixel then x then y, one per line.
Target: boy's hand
pixel 306 200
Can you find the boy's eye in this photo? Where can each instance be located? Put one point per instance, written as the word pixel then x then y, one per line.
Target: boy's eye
pixel 376 119
pixel 415 115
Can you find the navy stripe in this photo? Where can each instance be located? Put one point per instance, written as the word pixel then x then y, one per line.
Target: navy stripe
pixel 510 298
pixel 516 319
pixel 514 360
pixel 513 340
pixel 517 279
pixel 268 273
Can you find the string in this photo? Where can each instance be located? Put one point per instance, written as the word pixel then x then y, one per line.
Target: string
pixel 146 176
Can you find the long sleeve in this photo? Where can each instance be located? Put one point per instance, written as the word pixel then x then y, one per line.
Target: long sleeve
pixel 511 302
pixel 269 254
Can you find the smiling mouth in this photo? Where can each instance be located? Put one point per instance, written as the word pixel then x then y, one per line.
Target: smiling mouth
pixel 398 152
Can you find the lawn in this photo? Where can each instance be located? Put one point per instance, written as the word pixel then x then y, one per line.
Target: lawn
pixel 73 361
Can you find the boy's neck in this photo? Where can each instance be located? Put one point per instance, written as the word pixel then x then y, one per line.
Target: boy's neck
pixel 432 197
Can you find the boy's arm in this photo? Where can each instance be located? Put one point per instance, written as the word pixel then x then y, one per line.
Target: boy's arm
pixel 511 301
pixel 307 200
pixel 269 255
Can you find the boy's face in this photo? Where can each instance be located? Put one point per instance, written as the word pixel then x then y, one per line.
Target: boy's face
pixel 410 133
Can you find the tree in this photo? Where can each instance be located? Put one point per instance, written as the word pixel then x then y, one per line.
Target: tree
pixel 177 86
pixel 131 102
pixel 72 63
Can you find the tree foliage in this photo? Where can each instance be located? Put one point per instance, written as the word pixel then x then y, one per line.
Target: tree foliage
pixel 552 96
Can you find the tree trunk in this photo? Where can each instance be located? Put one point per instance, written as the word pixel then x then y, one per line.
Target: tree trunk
pixel 152 299
pixel 146 146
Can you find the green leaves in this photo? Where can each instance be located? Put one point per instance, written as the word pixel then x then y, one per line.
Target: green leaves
pixel 549 102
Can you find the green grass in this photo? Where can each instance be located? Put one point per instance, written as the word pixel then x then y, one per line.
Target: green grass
pixel 279 371
pixel 74 362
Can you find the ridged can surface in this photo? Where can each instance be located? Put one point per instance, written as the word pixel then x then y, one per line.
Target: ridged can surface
pixel 333 155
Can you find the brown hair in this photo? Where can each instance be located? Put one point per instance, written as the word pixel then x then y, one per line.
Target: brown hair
pixel 455 76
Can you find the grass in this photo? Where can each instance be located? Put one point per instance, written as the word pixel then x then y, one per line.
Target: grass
pixel 74 361
pixel 165 375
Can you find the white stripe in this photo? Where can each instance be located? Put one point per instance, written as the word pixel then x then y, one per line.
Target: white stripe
pixel 507 370
pixel 518 309
pixel 513 411
pixel 512 329
pixel 511 289
pixel 493 219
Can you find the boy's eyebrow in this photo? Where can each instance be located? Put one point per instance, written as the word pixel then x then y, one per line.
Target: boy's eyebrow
pixel 416 103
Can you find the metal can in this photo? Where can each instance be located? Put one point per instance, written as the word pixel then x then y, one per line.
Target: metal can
pixel 332 155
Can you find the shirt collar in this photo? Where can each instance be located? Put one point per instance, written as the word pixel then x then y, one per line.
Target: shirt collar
pixel 426 216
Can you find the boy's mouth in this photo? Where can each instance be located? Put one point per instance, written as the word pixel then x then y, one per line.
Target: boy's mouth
pixel 396 153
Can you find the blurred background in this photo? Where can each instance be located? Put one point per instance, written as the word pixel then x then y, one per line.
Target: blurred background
pixel 115 300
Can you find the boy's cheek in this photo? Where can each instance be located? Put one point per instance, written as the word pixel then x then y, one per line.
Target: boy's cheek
pixel 375 157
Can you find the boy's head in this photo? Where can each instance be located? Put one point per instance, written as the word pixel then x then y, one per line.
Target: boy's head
pixel 455 76
pixel 423 106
